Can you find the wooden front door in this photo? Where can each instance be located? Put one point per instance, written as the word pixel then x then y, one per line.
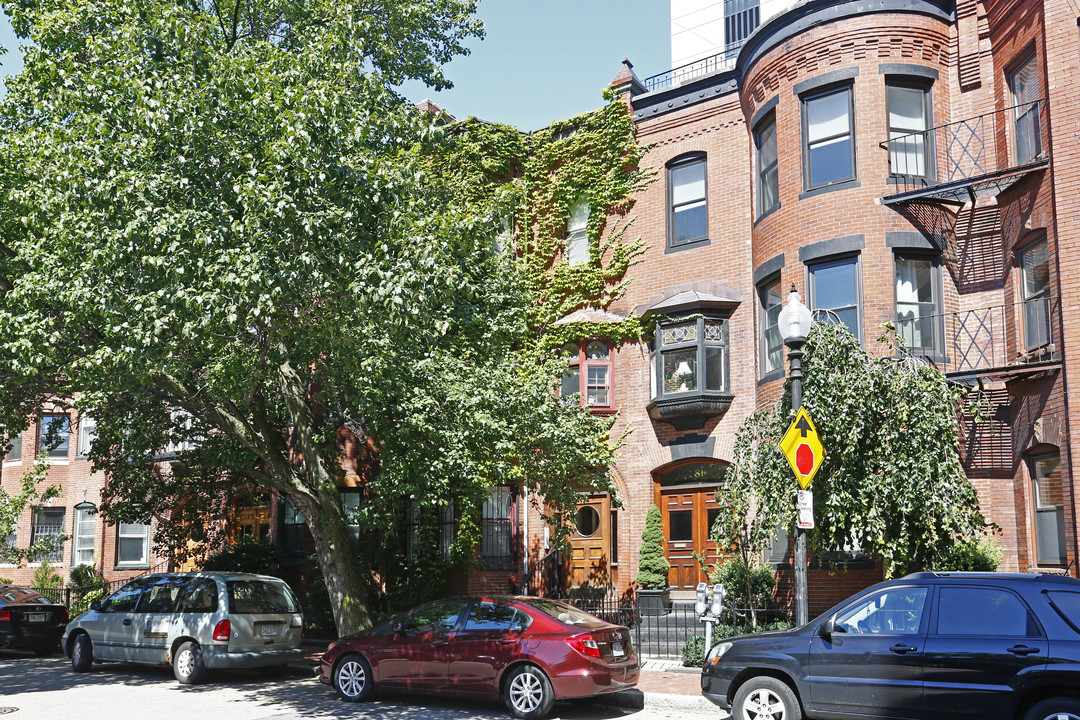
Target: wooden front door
pixel 688 515
pixel 589 544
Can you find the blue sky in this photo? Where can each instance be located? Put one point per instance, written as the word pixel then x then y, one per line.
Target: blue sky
pixel 542 60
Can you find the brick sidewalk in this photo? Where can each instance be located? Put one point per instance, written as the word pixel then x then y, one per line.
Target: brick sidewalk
pixel 669 681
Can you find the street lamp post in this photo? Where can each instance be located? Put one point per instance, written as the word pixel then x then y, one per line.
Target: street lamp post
pixel 794 324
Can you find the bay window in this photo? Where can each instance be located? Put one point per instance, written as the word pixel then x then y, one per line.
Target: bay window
pixel 690 357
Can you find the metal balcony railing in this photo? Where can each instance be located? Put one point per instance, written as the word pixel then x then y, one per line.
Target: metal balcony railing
pixel 987 338
pixel 964 158
pixel 699 68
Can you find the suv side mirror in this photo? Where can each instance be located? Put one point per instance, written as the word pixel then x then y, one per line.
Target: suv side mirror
pixel 95 605
pixel 827 628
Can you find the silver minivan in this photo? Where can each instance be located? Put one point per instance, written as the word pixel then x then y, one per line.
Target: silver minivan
pixel 195 621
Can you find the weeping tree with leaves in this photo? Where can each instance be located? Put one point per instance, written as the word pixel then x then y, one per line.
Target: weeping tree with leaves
pixel 892 482
pixel 219 235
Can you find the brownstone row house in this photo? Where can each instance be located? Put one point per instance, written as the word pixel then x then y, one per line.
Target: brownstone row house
pixel 904 161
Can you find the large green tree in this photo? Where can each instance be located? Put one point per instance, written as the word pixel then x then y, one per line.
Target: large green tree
pixel 219 231
pixel 892 483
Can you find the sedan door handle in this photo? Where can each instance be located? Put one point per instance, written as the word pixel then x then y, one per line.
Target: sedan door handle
pixel 1023 650
pixel 507 641
pixel 439 643
pixel 901 648
pixel 127 621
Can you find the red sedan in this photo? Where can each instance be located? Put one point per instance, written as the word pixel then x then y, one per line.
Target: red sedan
pixel 528 651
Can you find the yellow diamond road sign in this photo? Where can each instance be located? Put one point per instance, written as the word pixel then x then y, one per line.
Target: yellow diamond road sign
pixel 802 447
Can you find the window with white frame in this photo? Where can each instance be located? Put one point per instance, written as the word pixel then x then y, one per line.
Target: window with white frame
pixel 84 532
pixel 1027 130
pixel 688 205
pixel 181 438
pixel 910 146
pixel 768 178
pixel 588 375
pixel 918 303
pixel 1035 294
pixel 835 290
pixel 577 237
pixel 770 302
pixel 133 544
pixel 87 433
pixel 54 432
pixel 828 137
pixel 1049 496
pixel 690 357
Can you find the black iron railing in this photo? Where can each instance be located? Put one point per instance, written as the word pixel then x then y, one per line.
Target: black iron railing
pixel 969 149
pixel 984 338
pixel 545 577
pixel 699 68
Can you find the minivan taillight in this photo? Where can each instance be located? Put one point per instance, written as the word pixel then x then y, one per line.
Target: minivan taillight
pixel 222 630
pixel 584 644
pixel 5 615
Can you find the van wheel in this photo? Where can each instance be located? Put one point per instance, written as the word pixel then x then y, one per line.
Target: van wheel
pixel 527 693
pixel 1057 708
pixel 765 698
pixel 188 664
pixel 352 678
pixel 82 653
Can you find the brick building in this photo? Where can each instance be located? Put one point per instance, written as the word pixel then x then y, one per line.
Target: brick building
pixel 906 161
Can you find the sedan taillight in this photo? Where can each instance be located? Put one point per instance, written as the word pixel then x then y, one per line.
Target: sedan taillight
pixel 64 615
pixel 222 630
pixel 584 644
pixel 5 615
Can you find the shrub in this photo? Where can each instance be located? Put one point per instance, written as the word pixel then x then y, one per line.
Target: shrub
pixel 5 581
pixel 981 554
pixel 46 578
pixel 86 576
pixel 652 565
pixel 748 586
pixel 248 554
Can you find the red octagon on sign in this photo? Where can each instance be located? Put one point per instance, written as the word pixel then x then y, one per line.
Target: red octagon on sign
pixel 804 458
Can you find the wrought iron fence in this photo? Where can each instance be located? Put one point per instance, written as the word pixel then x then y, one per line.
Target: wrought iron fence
pixel 677 76
pixel 966 149
pixel 984 338
pixel 77 598
pixel 664 635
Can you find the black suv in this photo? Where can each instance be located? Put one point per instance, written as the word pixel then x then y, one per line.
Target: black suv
pixel 930 646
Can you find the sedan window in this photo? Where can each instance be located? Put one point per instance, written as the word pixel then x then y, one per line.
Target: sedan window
pixel 434 618
pixel 489 616
pixel 896 611
pixel 565 613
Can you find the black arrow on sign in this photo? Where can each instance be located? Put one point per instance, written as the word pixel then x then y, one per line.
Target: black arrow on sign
pixel 803 426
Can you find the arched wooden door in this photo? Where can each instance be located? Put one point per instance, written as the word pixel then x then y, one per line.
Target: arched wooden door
pixel 686 496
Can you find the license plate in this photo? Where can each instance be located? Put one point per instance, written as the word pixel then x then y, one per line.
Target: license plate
pixel 37 617
pixel 268 630
pixel 617 649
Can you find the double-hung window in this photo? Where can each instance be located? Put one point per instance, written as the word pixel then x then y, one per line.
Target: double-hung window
pixel 770 302
pixel 688 205
pixel 87 433
pixel 1035 294
pixel 1027 130
pixel 1049 492
pixel 15 453
pixel 910 137
pixel 834 292
pixel 918 303
pixel 577 236
pixel 589 373
pixel 828 137
pixel 768 179
pixel 83 552
pixel 691 357
pixel 53 435
pixel 47 524
pixel 133 544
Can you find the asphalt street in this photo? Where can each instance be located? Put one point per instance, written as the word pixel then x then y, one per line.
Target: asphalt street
pixel 43 688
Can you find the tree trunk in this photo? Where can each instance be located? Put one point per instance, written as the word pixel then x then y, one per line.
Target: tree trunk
pixel 340 570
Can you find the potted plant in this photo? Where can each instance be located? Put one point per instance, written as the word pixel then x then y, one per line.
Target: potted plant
pixel 653 594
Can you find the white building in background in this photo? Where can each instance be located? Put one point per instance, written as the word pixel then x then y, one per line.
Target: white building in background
pixel 701 29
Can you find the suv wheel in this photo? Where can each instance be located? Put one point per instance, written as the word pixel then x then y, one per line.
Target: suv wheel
pixel 765 698
pixel 1057 708
pixel 188 664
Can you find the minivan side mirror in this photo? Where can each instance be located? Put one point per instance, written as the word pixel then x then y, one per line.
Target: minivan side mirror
pixel 827 628
pixel 95 605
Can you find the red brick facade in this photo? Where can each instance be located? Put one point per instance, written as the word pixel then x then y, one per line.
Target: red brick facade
pixel 963 54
